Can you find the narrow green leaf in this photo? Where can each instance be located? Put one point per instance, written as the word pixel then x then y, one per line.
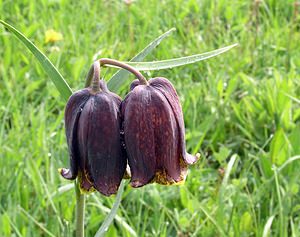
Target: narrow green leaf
pixel 211 218
pixel 267 228
pixel 289 161
pixel 176 62
pixel 110 217
pixel 292 98
pixel 40 225
pixel 119 219
pixel 14 226
pixel 222 197
pixel 228 171
pixel 62 189
pixel 279 148
pixel 120 76
pixel 52 72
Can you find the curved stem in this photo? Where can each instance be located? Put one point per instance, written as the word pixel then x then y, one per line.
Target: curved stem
pixel 94 72
pixel 80 209
pixel 96 77
pixel 89 76
pixel 108 61
pixel 93 77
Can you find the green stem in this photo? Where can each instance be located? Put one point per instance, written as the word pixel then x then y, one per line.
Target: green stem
pixel 80 209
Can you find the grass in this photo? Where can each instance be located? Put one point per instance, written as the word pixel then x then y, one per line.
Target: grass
pixel 241 112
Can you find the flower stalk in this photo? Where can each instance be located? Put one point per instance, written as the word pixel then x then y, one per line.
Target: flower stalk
pixel 96 77
pixel 80 209
pixel 107 61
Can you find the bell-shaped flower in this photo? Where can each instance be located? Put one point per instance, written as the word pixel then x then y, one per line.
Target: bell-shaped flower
pixel 154 134
pixel 92 121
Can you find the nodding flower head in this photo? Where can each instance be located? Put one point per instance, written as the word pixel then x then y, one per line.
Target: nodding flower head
pixel 154 134
pixel 92 121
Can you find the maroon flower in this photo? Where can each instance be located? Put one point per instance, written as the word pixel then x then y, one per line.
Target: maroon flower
pixel 154 134
pixel 92 120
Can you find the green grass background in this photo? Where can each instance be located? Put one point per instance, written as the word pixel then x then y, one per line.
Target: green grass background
pixel 241 107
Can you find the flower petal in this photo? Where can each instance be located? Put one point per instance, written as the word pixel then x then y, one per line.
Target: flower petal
pixel 139 135
pixel 99 129
pixel 72 114
pixel 168 157
pixel 167 89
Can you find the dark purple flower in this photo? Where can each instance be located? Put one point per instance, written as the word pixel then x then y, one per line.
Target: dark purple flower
pixel 92 121
pixel 154 134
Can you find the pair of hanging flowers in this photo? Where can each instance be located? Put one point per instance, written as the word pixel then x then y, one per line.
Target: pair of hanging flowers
pixel 145 131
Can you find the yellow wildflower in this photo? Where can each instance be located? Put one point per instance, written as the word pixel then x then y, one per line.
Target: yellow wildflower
pixel 52 36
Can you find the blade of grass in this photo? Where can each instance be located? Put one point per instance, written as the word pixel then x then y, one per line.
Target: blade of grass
pixel 120 76
pixel 50 69
pixel 280 204
pixel 17 232
pixel 208 218
pixel 41 179
pixel 110 217
pixel 267 228
pixel 293 230
pixel 62 189
pixel 215 222
pixel 222 198
pixel 228 171
pixel 292 98
pixel 36 222
pixel 118 218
